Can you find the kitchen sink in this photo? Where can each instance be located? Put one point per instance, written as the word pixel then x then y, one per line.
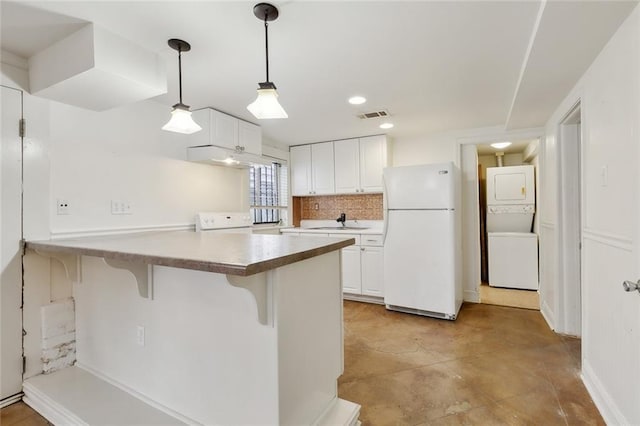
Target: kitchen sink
pixel 338 228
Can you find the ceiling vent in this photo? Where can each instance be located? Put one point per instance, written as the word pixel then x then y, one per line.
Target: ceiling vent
pixel 374 114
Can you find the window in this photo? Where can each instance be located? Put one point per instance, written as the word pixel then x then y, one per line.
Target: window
pixel 268 192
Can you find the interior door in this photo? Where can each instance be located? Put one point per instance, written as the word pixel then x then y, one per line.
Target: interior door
pixel 10 232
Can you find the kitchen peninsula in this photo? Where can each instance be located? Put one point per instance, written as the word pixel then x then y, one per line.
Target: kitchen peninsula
pixel 199 328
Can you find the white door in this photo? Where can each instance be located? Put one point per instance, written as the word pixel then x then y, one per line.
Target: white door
pixel 225 130
pixel 351 276
pixel 10 261
pixel 347 163
pixel 373 159
pixel 300 158
pixel 250 137
pixel 322 167
pixel 372 271
pixel 419 260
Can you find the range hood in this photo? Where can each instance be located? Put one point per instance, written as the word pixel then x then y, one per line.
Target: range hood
pixel 216 155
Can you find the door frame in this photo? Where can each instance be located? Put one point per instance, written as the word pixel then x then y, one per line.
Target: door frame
pixel 470 215
pixel 568 318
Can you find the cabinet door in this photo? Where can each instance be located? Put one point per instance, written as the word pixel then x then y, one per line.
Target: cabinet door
pixel 250 137
pixel 300 157
pixel 351 277
pixel 224 130
pixel 203 118
pixel 373 158
pixel 347 166
pixel 322 173
pixel 372 271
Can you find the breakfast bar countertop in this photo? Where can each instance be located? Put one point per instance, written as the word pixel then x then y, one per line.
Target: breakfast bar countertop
pixel 226 253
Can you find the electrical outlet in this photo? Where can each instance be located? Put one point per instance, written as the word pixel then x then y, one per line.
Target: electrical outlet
pixel 140 335
pixel 62 206
pixel 316 206
pixel 120 207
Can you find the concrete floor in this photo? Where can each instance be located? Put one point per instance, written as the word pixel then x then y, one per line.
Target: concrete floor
pixel 493 365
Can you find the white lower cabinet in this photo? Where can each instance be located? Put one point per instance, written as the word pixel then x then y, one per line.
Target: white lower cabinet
pixel 362 265
pixel 351 272
pixel 371 259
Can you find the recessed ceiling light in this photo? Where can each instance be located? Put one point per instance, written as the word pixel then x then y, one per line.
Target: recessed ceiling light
pixel 386 125
pixel 500 145
pixel 357 100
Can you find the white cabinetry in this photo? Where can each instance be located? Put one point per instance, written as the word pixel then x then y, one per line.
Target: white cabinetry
pixel 356 164
pixel 362 265
pixel 347 166
pixel 225 131
pixel 373 158
pixel 312 169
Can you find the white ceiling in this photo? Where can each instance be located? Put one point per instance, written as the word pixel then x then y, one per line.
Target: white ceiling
pixel 435 66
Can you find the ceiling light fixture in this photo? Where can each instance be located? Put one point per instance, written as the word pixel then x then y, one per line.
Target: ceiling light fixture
pixel 500 145
pixel 266 105
pixel 181 121
pixel 386 126
pixel 357 100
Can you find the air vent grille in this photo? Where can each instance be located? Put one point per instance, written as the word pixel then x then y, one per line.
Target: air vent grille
pixel 374 114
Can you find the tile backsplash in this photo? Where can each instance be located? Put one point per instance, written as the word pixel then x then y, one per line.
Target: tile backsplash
pixel 364 207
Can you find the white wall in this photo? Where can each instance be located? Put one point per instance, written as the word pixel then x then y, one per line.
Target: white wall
pixel 609 95
pixel 122 154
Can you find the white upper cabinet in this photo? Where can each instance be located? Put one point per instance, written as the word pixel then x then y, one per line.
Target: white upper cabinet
pixel 347 166
pixel 350 166
pixel 359 164
pixel 300 167
pixel 312 169
pixel 373 158
pixel 250 137
pixel 322 167
pixel 225 131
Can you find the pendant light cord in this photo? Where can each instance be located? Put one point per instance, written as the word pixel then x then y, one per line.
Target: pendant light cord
pixel 180 72
pixel 266 43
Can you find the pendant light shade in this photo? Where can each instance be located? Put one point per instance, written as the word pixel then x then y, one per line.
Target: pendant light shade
pixel 181 120
pixel 266 105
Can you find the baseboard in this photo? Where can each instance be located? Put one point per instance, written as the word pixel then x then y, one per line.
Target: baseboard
pixel 363 298
pixel 547 315
pixel 605 403
pixel 11 400
pixel 472 296
pixel 340 412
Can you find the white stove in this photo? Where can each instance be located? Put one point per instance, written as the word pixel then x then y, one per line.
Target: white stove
pixel 224 222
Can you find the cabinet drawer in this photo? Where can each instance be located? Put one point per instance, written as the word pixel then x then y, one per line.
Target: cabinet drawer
pixel 344 235
pixel 371 240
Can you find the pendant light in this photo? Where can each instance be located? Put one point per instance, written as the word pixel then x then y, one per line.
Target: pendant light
pixel 181 121
pixel 266 105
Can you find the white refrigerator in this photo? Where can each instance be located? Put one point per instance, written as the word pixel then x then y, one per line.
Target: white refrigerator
pixel 421 241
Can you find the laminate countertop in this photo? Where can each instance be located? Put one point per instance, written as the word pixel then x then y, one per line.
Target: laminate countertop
pixel 226 253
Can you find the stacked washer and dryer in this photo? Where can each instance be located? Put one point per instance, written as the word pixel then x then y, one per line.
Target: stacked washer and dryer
pixel 513 247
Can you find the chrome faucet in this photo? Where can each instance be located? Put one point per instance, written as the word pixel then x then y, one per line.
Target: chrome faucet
pixel 342 219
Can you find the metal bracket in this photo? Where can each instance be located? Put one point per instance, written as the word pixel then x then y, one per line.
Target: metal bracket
pixel 71 263
pixel 260 286
pixel 142 272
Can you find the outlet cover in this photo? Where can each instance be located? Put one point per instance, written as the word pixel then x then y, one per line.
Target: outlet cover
pixel 63 207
